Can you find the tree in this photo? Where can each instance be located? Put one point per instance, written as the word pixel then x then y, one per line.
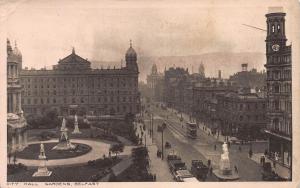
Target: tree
pixel 116 148
pixel 15 158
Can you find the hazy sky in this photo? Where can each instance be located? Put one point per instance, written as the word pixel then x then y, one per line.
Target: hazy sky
pixel 100 30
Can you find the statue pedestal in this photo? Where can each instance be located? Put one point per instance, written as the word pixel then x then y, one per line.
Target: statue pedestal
pixel 64 145
pixel 76 129
pixel 42 172
pixel 42 169
pixel 225 173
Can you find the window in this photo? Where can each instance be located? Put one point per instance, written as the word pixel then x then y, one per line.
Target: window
pixel 276 105
pixel 273 29
pixel 29 101
pixel 82 100
pixel 276 88
pixel 54 100
pixel 42 101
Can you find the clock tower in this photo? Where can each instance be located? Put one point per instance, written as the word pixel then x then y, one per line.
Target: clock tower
pixel 279 91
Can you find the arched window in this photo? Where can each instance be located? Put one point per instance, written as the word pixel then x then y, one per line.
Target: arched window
pixel 276 104
pixel 273 29
pixel 276 124
pixel 276 88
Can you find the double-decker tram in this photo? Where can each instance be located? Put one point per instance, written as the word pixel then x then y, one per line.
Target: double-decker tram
pixel 191 130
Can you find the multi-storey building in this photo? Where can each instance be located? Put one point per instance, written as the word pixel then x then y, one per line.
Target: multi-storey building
pixel 172 77
pixel 16 123
pixel 72 86
pixel 205 101
pixel 241 114
pixel 155 83
pixel 279 89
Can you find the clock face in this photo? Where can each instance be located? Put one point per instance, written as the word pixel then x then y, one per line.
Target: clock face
pixel 275 47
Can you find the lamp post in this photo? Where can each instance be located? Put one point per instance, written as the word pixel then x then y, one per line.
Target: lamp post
pixel 163 126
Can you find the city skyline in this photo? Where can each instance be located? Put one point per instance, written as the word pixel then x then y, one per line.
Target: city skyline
pixel 103 36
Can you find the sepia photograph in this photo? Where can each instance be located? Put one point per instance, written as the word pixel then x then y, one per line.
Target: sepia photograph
pixel 149 91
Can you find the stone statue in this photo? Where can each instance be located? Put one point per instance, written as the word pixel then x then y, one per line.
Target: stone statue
pixel 42 169
pixel 76 128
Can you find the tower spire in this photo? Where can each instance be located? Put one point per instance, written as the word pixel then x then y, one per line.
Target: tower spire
pixel 73 50
pixel 130 43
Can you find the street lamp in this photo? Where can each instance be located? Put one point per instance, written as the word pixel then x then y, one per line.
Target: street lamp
pixel 161 129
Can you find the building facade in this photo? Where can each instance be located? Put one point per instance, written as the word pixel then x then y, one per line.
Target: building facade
pixel 72 86
pixel 279 90
pixel 242 115
pixel 16 123
pixel 155 83
pixel 205 100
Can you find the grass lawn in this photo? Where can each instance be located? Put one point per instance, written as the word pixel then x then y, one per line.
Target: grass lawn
pixel 76 173
pixel 32 151
pixel 59 174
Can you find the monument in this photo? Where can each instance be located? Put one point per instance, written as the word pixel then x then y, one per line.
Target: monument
pixel 225 172
pixel 76 128
pixel 42 169
pixel 64 141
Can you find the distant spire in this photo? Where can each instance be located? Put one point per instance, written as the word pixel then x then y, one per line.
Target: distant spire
pixel 130 43
pixel 8 46
pixel 73 50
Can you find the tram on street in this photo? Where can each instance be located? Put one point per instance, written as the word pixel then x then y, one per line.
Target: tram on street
pixel 191 130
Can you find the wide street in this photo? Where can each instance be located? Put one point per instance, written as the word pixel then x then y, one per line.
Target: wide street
pixel 203 146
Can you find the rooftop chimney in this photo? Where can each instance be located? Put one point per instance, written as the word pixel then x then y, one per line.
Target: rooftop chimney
pixel 244 67
pixel 220 74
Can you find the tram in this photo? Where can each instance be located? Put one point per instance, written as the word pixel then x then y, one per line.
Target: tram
pixel 191 130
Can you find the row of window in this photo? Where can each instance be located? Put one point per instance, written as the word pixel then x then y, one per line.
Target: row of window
pixel 284 127
pixel 68 81
pixel 277 105
pixel 243 106
pixel 73 92
pixel 81 85
pixel 277 74
pixel 279 59
pixel 279 88
pixel 74 100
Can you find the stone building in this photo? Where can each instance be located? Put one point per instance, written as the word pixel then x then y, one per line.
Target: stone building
pixel 250 79
pixel 205 101
pixel 242 115
pixel 155 83
pixel 279 90
pixel 16 123
pixel 172 77
pixel 72 86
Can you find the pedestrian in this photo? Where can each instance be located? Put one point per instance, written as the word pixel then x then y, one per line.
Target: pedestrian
pixel 215 147
pixel 240 149
pixel 236 169
pixel 263 160
pixel 208 162
pixel 250 153
pixel 210 171
pixel 154 177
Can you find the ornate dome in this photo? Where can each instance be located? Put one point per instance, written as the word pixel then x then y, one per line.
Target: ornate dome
pixel 131 54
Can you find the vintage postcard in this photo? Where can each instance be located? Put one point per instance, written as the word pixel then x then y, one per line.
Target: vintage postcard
pixel 96 93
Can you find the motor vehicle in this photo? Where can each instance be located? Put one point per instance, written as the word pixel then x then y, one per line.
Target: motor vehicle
pixel 175 165
pixel 199 169
pixel 173 156
pixel 184 176
pixel 167 145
